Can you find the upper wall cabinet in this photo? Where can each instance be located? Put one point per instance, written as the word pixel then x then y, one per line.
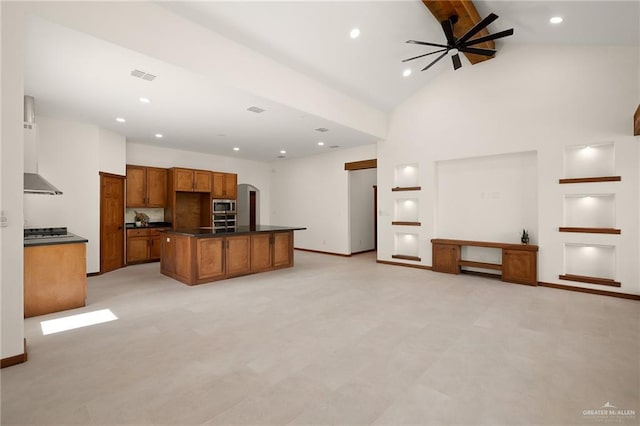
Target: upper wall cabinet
pixel 146 186
pixel 190 180
pixel 225 185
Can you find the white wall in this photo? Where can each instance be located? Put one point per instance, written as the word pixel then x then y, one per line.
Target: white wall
pixel 314 192
pixel 11 177
pixel 526 99
pixel 249 172
pixel 361 209
pixel 70 156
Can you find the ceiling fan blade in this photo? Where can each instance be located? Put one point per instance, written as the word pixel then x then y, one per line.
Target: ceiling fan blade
pixel 483 52
pixel 477 28
pixel 456 61
pixel 421 56
pixel 489 37
pixel 447 27
pixel 427 44
pixel 436 60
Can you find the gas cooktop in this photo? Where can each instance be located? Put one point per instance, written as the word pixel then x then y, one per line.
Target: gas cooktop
pixel 33 233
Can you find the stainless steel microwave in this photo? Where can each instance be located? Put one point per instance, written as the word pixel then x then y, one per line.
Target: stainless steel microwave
pixel 224 206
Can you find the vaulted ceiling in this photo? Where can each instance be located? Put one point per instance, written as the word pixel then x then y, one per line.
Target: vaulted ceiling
pixel 81 76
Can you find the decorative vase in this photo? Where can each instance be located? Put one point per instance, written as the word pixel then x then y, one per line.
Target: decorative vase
pixel 525 240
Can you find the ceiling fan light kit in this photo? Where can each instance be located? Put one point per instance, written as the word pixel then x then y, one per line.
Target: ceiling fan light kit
pixel 463 44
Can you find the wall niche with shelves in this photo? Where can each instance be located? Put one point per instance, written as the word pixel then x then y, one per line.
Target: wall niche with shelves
pixel 406 246
pixel 590 163
pixel 591 213
pixel 406 212
pixel 590 263
pixel 405 178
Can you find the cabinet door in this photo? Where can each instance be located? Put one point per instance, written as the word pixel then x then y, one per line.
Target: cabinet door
pixel 238 254
pixel 218 185
pixel 137 249
pixel 136 186
pixel 261 252
pixel 210 258
pixel 156 187
pixel 520 266
pixel 183 180
pixel 283 249
pixel 231 186
pixel 155 247
pixel 168 254
pixel 445 258
pixel 201 181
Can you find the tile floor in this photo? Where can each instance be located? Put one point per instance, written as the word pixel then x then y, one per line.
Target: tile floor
pixel 331 341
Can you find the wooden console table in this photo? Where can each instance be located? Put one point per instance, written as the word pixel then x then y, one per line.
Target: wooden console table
pixel 519 261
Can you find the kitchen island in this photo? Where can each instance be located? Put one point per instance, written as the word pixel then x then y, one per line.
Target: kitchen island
pixel 197 256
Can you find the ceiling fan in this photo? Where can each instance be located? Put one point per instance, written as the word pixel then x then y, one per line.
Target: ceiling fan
pixel 455 45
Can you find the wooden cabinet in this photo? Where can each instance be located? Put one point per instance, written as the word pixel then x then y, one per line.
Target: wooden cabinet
pixel 238 255
pixel 261 252
pixel 143 245
pixel 194 259
pixel 519 262
pixel 191 180
pixel 146 186
pixel 55 278
pixel 225 185
pixel 282 249
pixel 210 254
pixel 519 266
pixel 446 258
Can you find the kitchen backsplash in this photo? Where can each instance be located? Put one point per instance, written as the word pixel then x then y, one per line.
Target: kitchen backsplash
pixel 155 215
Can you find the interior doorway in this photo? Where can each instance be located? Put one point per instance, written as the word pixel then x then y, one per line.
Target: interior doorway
pixel 363 224
pixel 111 222
pixel 248 205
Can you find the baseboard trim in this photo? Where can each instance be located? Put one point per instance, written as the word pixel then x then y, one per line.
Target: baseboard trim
pixel 16 359
pixel 93 274
pixel 388 262
pixel 323 252
pixel 363 251
pixel 591 291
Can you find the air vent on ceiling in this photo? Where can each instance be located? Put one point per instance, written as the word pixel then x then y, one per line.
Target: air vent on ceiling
pixel 143 75
pixel 322 129
pixel 282 156
pixel 255 109
pixel 334 146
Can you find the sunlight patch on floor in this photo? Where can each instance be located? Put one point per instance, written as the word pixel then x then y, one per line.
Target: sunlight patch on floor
pixel 77 321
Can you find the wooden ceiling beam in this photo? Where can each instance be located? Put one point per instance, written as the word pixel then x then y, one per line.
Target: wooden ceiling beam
pixel 468 16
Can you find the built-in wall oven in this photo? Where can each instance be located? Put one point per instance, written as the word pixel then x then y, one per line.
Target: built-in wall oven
pixel 224 215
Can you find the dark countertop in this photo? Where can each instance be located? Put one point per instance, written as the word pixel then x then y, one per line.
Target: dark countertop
pixel 208 232
pixel 48 241
pixel 131 225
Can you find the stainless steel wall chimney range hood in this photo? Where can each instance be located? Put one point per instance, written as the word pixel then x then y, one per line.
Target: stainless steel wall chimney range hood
pixel 33 182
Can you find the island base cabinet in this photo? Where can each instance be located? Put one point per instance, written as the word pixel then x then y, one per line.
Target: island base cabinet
pixel 210 258
pixel 55 278
pixel 261 253
pixel 197 260
pixel 238 255
pixel 282 249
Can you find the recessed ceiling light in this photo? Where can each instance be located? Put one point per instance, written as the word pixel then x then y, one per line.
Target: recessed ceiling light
pixel 120 120
pixel 453 51
pixel 556 20
pixel 159 135
pixel 283 152
pixel 145 100
pixel 236 149
pixel 320 143
pixel 406 73
pixel 355 33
